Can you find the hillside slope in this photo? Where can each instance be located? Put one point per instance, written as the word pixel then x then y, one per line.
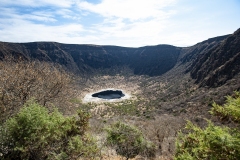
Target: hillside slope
pixel 86 59
pixel 215 62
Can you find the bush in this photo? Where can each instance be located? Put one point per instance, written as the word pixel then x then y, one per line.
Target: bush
pixel 34 133
pixel 213 142
pixel 129 141
pixel 20 81
pixel 230 110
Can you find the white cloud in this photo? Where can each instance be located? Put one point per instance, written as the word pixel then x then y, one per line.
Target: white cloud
pixel 131 23
pixel 20 30
pixel 11 13
pixel 129 9
pixel 67 13
pixel 35 3
pixel 126 22
pixel 40 17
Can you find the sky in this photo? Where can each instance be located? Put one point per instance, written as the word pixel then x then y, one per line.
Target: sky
pixel 129 23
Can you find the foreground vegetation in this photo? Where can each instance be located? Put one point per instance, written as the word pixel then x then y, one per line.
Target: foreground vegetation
pixel 36 133
pixel 129 141
pixel 212 142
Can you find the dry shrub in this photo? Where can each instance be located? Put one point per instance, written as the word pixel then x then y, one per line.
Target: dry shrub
pixel 20 81
pixel 162 131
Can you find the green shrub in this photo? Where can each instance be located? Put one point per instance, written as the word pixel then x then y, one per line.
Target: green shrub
pixel 129 141
pixel 213 142
pixel 230 110
pixel 34 133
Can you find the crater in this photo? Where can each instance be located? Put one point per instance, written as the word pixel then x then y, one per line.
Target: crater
pixel 111 95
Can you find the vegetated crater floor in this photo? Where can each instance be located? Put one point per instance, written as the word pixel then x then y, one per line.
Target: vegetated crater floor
pixel 109 95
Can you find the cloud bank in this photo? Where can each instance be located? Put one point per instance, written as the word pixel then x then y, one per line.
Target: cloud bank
pixel 131 23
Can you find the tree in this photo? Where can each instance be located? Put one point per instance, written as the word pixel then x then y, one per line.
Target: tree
pixel 212 142
pixel 129 141
pixel 34 133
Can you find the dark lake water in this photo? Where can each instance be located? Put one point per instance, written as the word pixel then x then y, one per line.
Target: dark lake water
pixel 109 94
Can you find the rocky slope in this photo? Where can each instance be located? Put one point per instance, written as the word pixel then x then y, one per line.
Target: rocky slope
pixel 214 61
pixel 149 60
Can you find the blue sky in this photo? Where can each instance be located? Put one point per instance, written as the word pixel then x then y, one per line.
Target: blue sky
pixel 130 23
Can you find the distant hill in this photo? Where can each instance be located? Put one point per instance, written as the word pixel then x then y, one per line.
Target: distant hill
pixel 211 62
pixel 85 59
